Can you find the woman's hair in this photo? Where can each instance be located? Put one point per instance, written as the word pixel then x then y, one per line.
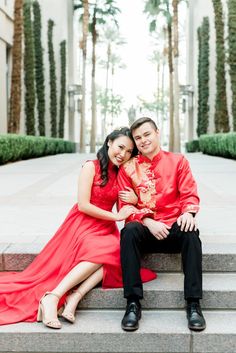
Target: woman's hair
pixel 102 154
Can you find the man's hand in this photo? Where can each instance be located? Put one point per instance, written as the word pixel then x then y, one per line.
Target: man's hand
pixel 158 229
pixel 187 222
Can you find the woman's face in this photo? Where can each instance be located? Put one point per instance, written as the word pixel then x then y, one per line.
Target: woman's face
pixel 120 150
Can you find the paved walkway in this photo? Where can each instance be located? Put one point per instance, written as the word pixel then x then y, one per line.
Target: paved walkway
pixel 36 195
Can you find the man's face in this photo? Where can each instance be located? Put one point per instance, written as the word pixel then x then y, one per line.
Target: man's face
pixel 147 140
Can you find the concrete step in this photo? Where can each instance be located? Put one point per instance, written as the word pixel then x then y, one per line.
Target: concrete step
pixel 216 258
pixel 166 292
pixel 100 331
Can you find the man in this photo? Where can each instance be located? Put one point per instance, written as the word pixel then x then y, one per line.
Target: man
pixel 164 223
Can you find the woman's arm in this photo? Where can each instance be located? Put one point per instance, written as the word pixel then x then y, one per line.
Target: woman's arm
pixel 84 193
pixel 128 196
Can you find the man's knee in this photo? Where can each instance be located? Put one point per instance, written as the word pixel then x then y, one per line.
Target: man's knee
pixel 190 233
pixel 131 231
pixel 192 237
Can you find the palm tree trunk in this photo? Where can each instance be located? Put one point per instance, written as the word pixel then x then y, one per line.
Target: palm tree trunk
pixel 104 132
pixel 162 97
pixel 15 99
pixel 158 90
pixel 84 50
pixel 112 96
pixel 93 88
pixel 176 78
pixel 171 96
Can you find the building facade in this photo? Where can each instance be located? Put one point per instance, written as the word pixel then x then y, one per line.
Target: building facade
pixel 6 38
pixel 198 9
pixel 61 12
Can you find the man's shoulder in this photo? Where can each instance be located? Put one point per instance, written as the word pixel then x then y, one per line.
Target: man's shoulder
pixel 172 157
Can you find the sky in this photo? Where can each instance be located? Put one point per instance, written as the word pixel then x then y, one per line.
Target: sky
pixel 139 77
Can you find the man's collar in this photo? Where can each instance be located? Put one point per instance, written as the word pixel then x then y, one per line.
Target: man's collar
pixel 145 159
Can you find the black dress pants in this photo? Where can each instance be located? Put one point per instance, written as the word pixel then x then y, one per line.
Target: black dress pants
pixel 137 240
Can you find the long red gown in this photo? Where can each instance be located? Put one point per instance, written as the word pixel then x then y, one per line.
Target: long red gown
pixel 79 238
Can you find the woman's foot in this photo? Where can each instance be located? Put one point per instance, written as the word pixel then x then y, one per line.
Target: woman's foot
pixel 72 300
pixel 47 312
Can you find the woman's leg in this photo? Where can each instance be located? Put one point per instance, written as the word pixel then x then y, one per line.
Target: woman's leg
pixel 77 275
pixel 77 294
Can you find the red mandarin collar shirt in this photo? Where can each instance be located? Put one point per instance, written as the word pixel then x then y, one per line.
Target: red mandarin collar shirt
pixel 164 185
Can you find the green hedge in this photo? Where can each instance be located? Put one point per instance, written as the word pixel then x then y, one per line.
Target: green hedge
pixel 192 146
pixel 17 147
pixel 223 144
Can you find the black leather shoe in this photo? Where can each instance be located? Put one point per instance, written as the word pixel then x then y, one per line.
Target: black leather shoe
pixel 195 317
pixel 131 317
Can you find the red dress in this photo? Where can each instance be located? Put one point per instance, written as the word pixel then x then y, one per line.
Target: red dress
pixel 79 238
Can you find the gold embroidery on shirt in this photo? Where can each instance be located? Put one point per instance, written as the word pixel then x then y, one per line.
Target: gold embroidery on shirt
pixel 143 182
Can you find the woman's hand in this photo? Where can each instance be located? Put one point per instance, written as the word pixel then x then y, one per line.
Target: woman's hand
pixel 128 196
pixel 125 212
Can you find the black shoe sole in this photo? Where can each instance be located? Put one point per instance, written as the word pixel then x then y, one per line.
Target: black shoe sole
pixel 194 328
pixel 129 329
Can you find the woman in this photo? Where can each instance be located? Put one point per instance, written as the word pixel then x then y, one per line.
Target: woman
pixel 84 250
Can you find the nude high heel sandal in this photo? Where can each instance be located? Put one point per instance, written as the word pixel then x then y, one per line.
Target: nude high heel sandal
pixel 67 314
pixel 54 323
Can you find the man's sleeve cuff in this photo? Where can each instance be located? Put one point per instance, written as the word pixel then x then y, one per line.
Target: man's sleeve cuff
pixel 191 209
pixel 140 214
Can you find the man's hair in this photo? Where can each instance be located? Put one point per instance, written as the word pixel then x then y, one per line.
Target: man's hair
pixel 142 121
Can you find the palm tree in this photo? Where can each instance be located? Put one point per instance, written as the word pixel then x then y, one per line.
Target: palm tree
pixel 111 102
pixel 84 50
pixel 156 59
pixel 93 81
pixel 159 59
pixel 15 99
pixel 176 76
pixel 83 4
pixel 112 38
pixel 155 8
pixel 102 11
pixel 116 63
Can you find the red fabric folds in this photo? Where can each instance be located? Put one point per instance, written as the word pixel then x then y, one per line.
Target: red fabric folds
pixel 79 238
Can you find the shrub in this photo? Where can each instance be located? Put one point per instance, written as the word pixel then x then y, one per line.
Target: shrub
pixel 52 80
pixel 232 54
pixel 223 144
pixel 203 77
pixel 63 89
pixel 192 146
pixel 221 111
pixel 17 147
pixel 39 68
pixel 29 70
